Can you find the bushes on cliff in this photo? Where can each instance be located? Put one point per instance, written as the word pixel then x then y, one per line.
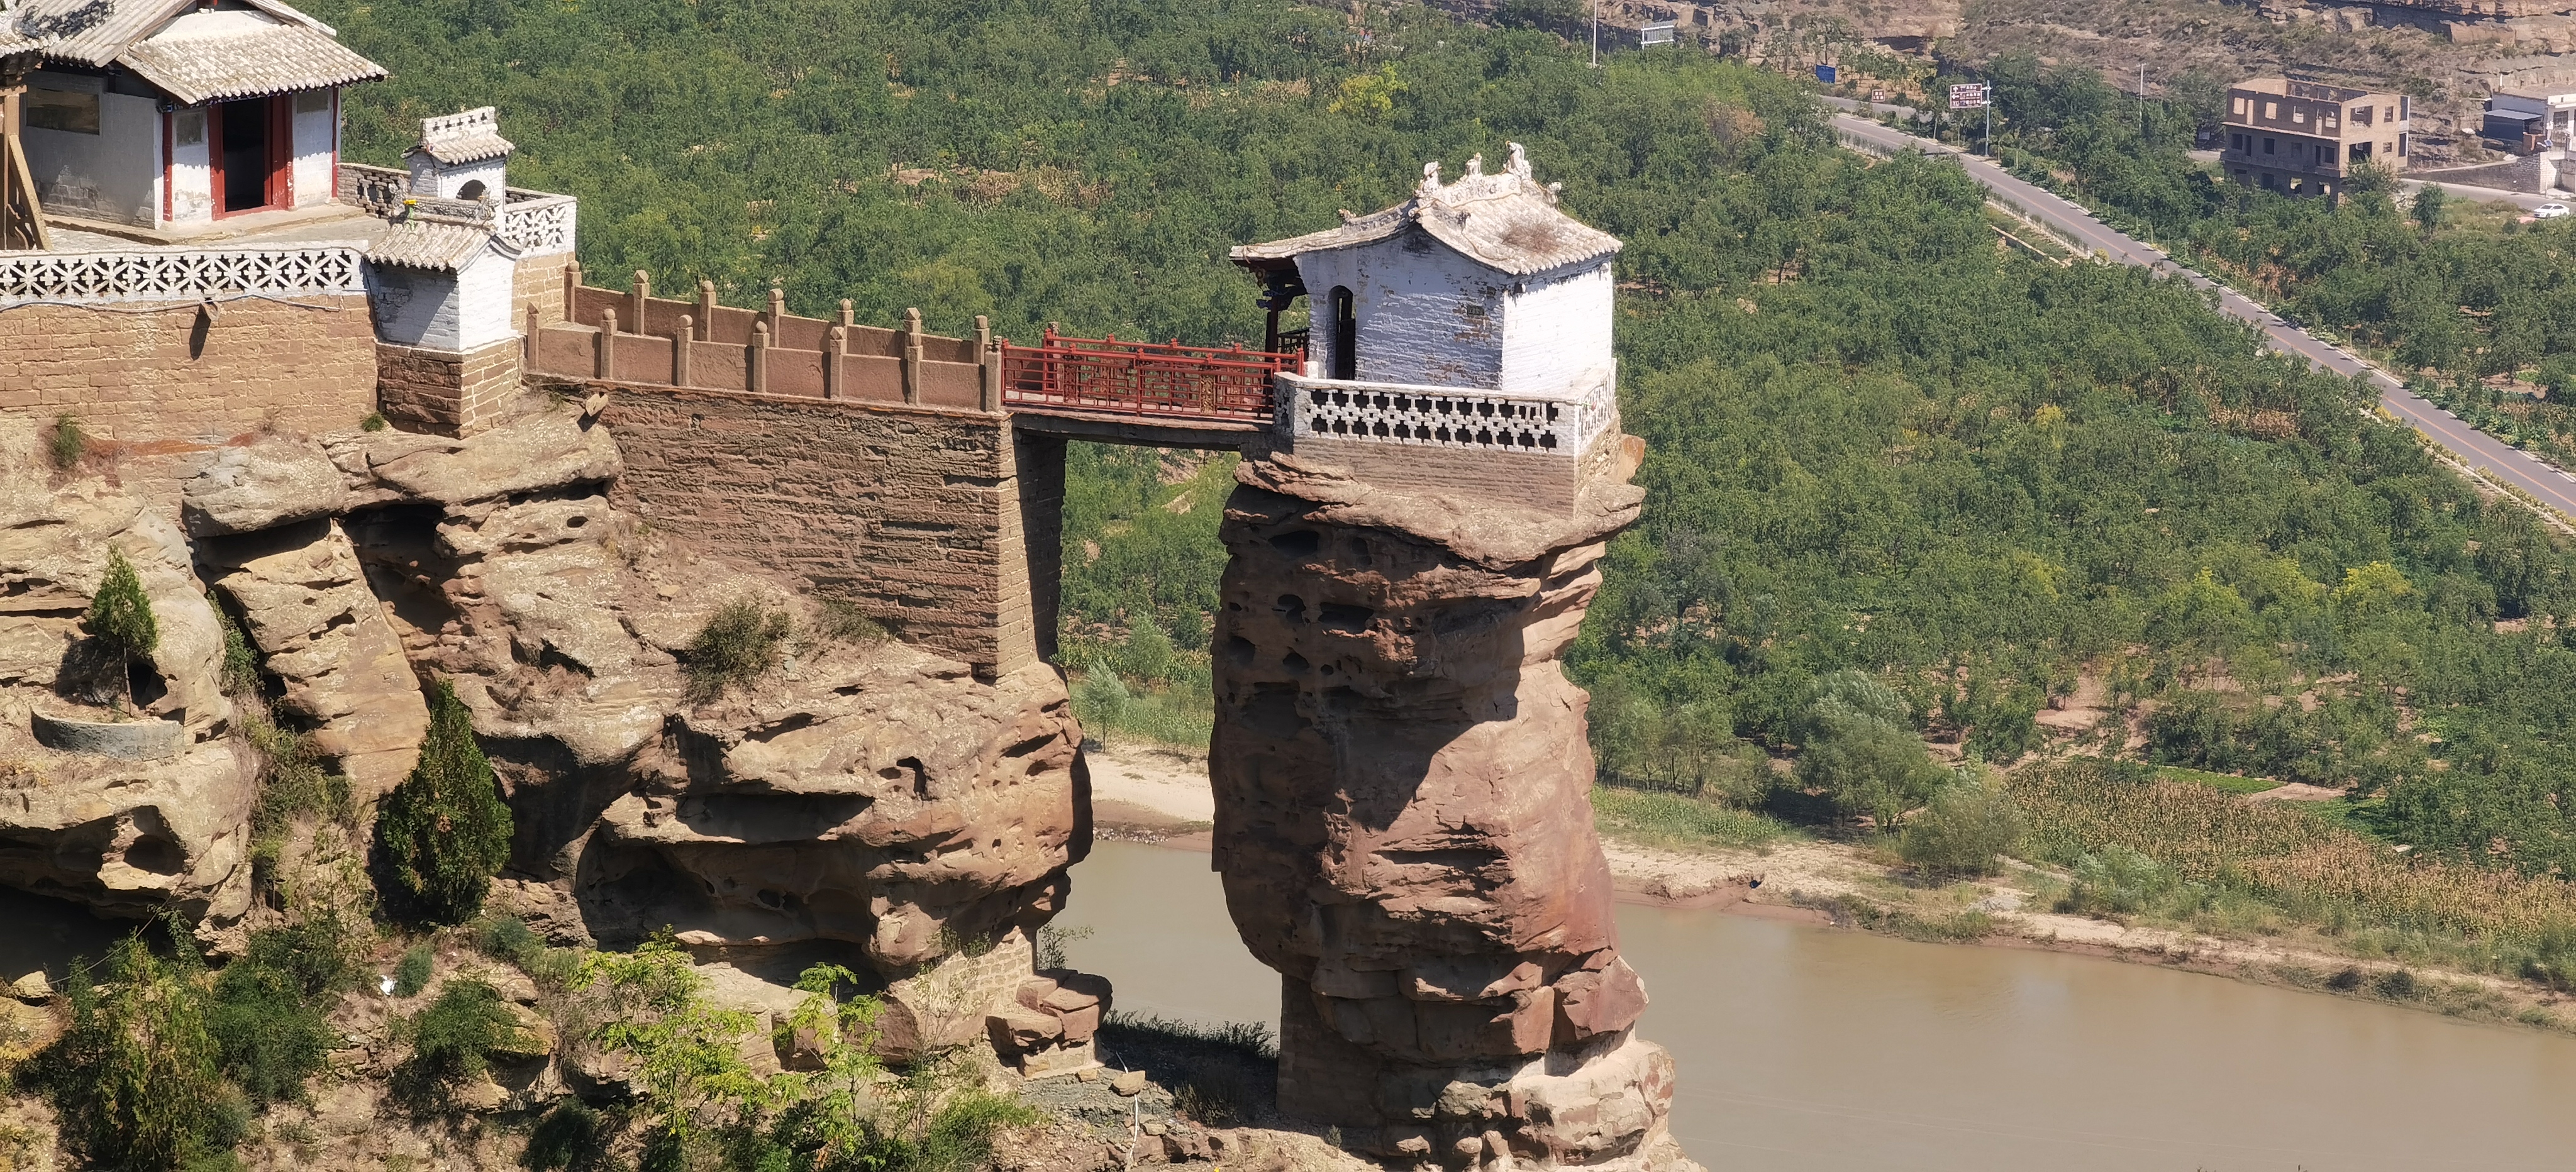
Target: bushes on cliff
pixel 137 1079
pixel 449 1041
pixel 444 832
pixel 741 641
pixel 120 622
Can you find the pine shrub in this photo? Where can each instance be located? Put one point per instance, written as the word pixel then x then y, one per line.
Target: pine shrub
pixel 67 444
pixel 444 832
pixel 120 617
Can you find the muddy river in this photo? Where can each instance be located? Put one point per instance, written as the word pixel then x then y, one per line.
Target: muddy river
pixel 1807 1048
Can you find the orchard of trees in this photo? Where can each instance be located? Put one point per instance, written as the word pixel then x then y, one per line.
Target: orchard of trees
pixel 1878 448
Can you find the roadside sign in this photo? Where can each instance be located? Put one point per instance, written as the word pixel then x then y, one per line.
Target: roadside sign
pixel 1825 74
pixel 1968 97
pixel 1658 33
pixel 1878 96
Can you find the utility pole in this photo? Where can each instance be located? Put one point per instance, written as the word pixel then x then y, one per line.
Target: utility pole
pixel 1596 34
pixel 2142 103
pixel 1989 105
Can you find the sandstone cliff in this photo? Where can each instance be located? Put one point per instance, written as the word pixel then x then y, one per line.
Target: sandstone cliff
pixel 864 796
pixel 1404 827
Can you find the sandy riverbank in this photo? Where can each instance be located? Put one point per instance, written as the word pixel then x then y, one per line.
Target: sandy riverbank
pixel 1159 795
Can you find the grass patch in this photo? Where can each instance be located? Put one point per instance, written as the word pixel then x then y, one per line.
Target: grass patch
pixel 1178 715
pixel 741 641
pixel 2225 781
pixel 1670 820
pixel 844 622
pixel 1220 1075
pixel 1853 911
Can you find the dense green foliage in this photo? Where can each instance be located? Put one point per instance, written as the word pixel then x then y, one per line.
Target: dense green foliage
pixel 449 1043
pixel 444 831
pixel 1875 444
pixel 138 1078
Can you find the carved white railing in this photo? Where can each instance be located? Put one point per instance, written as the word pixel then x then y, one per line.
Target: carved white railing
pixel 538 223
pixel 385 193
pixel 193 274
pixel 1448 417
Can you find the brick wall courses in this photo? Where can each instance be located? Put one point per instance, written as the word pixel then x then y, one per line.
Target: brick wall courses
pixel 140 375
pixel 912 513
pixel 445 392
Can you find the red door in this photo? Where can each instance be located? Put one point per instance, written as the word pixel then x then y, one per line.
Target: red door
pixel 249 145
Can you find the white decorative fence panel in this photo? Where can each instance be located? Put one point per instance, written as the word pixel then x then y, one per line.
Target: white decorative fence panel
pixel 1449 417
pixel 538 224
pixel 179 274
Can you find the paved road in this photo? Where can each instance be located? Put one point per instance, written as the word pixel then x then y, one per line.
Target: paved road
pixel 2065 218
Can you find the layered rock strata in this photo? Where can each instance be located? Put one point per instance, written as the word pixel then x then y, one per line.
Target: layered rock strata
pixel 864 801
pixel 1403 823
pixel 129 837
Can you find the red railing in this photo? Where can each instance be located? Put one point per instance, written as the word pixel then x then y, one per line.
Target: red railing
pixel 1143 378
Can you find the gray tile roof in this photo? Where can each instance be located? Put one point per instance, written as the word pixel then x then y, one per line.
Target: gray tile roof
pixel 196 55
pixel 469 137
pixel 430 244
pixel 1505 221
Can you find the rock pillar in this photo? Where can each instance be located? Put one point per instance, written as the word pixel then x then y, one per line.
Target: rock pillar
pixel 1404 823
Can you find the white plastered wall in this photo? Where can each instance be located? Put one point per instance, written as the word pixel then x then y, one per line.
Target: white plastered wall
pixel 463 310
pixel 192 171
pixel 1556 331
pixel 1427 314
pixel 433 178
pixel 317 145
pixel 111 175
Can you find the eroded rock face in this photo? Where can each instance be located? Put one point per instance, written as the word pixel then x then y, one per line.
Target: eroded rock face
pixel 305 605
pixel 1404 824
pixel 125 837
pixel 869 795
pixel 273 481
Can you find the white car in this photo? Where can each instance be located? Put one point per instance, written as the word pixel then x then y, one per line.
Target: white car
pixel 2549 211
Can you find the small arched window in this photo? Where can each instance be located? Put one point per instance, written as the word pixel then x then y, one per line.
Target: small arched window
pixel 473 189
pixel 1346 335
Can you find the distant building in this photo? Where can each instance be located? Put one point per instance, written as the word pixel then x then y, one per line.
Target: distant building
pixel 2305 138
pixel 2530 123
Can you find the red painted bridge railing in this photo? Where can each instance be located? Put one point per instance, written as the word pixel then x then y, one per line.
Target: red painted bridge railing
pixel 1162 379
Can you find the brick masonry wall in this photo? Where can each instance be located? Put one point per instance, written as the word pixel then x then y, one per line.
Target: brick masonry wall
pixel 443 391
pixel 539 281
pixel 133 374
pixel 912 513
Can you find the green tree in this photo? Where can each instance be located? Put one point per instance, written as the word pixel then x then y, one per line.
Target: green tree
pixel 1969 824
pixel 1860 749
pixel 137 1076
pixel 120 620
pixel 2431 204
pixel 687 1053
pixel 444 832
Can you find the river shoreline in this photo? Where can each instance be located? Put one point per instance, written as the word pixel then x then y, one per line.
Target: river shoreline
pixel 1160 796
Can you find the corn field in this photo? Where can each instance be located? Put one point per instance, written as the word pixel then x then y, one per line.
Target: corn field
pixel 2317 871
